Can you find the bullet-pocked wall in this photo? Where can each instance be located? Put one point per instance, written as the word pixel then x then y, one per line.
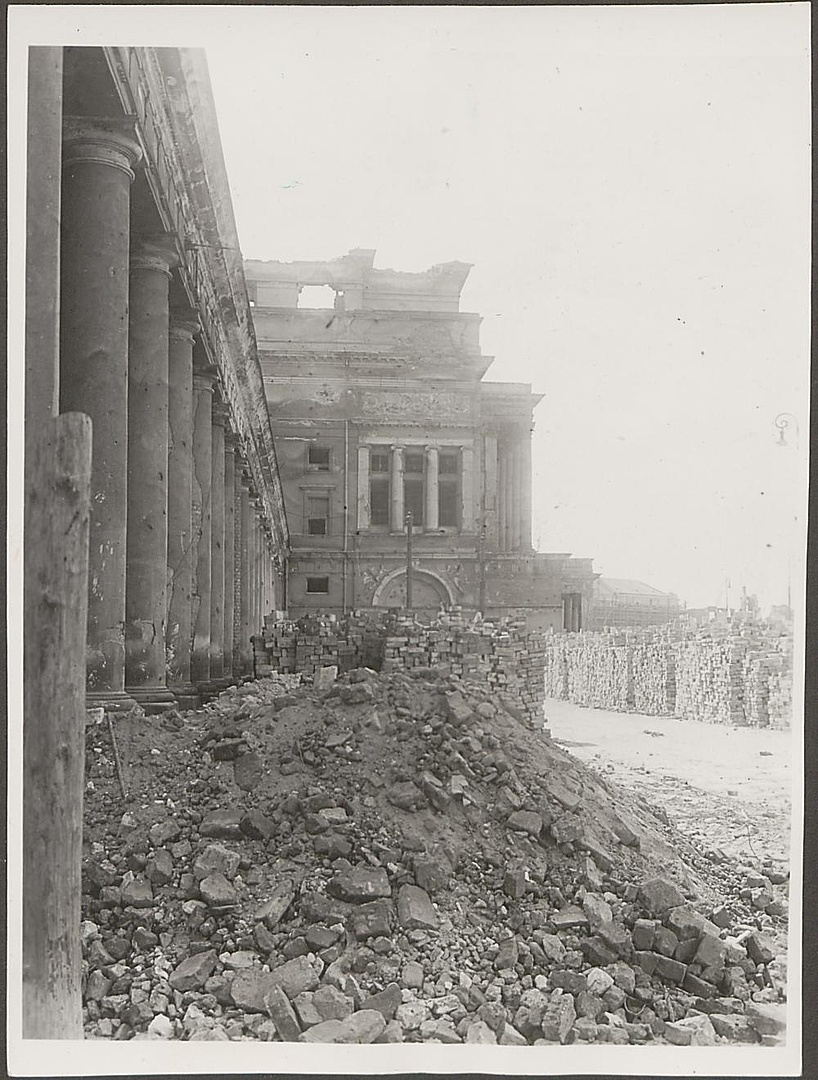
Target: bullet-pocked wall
pixel 138 316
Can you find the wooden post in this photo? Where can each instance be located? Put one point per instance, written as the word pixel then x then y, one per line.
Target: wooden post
pixel 57 512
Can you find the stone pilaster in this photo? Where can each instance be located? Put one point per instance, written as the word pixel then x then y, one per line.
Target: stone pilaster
pixel 204 380
pixel 181 542
pixel 490 490
pixel 363 488
pixel 396 522
pixel 147 541
pixel 98 159
pixel 219 418
pixel 432 514
pixel 467 489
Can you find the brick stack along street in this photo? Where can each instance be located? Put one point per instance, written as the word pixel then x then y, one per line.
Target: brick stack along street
pixel 403 857
pixel 740 677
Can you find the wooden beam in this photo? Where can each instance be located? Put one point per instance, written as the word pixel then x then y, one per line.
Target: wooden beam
pixel 57 512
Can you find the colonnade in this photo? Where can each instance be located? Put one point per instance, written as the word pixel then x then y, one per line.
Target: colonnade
pixel 176 522
pixel 431 474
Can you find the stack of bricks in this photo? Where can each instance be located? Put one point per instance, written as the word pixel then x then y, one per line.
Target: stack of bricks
pixel 729 675
pixel 654 678
pixel 506 657
pixel 709 683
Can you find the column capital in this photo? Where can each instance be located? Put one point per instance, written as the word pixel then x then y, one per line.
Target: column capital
pixel 221 412
pixel 205 378
pixel 156 251
pixel 184 324
pixel 102 141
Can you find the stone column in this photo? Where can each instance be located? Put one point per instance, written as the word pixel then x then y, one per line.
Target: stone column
pixel 147 541
pixel 230 441
pixel 43 152
pixel 363 488
pixel 181 545
pixel 525 490
pixel 396 523
pixel 505 480
pixel 515 500
pixel 432 474
pixel 467 489
pixel 98 157
pixel 245 651
pixel 490 489
pixel 258 557
pixel 219 418
pixel 204 379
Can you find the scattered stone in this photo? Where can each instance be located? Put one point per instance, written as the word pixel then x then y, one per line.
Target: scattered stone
pixel 375 919
pixel 526 821
pixel 137 893
pixel 479 1032
pixel 282 1014
pixel 216 859
pixel 658 895
pixel 217 891
pixel 559 1019
pixel 359 884
pixel 767 1018
pixel 273 910
pixel 222 824
pixel 194 971
pixel 415 910
pixel 248 771
pixel 760 948
pixel 691 1031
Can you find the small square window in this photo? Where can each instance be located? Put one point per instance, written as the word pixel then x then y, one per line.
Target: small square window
pixel 414 463
pixel 318 585
pixel 318 458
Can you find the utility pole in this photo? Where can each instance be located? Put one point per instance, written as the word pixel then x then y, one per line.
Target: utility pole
pixel 482 569
pixel 409 526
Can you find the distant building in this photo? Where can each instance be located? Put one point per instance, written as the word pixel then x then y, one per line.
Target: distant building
pixel 378 409
pixel 624 602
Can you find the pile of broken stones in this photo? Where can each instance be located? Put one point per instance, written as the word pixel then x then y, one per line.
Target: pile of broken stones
pixel 400 858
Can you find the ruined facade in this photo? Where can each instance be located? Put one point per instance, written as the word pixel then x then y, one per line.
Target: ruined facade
pixel 379 411
pixel 137 316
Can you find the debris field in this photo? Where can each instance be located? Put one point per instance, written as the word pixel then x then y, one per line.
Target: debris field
pixel 402 857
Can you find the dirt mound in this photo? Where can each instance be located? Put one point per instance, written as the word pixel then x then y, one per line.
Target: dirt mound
pixel 400 858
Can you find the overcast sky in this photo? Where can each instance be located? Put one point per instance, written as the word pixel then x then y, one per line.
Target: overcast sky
pixel 632 186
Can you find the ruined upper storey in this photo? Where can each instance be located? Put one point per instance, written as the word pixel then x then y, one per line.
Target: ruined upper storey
pixel 357 285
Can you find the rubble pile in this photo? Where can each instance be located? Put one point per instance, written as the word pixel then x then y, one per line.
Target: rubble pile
pixel 399 857
pixel 735 676
pixel 504 656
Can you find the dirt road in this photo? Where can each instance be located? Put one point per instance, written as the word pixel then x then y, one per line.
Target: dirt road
pixel 729 788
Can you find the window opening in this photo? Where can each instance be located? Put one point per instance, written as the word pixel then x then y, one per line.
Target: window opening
pixel 321 297
pixel 318 457
pixel 317 584
pixel 379 485
pixel 317 515
pixel 448 489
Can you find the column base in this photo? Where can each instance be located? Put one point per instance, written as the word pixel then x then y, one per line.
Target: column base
pixel 115 701
pixel 153 699
pixel 187 696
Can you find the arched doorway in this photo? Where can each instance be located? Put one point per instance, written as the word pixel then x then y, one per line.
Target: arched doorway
pixel 428 591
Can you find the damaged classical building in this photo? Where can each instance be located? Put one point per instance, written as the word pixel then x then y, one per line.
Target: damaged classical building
pixel 381 419
pixel 137 317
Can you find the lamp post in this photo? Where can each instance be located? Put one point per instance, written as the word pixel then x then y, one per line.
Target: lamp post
pixel 409 526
